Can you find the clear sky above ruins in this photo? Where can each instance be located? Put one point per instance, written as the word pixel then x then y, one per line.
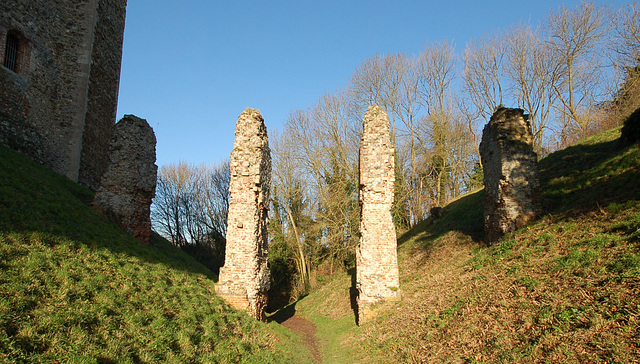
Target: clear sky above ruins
pixel 191 67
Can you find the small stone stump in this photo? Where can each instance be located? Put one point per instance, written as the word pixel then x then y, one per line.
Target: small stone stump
pixel 511 185
pixel 245 279
pixel 377 276
pixel 129 185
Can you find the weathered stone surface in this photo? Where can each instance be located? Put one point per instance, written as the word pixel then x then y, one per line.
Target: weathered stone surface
pixel 102 92
pixel 245 279
pixel 377 277
pixel 58 106
pixel 129 185
pixel 511 185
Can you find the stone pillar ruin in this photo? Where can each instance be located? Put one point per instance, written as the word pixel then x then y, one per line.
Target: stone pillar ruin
pixel 377 277
pixel 245 278
pixel 128 186
pixel 511 185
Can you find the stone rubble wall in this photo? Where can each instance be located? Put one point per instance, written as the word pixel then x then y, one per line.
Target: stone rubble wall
pixel 245 279
pixel 129 184
pixel 512 187
pixel 377 276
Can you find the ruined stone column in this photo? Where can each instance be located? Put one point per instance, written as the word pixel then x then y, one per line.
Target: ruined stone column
pixel 128 186
pixel 511 185
pixel 377 277
pixel 245 279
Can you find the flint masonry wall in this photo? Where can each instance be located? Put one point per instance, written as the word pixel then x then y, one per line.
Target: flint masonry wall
pixel 102 94
pixel 66 83
pixel 244 279
pixel 377 277
pixel 129 184
pixel 512 188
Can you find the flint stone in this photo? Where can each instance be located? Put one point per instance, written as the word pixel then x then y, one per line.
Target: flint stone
pixel 129 185
pixel 377 275
pixel 245 279
pixel 511 184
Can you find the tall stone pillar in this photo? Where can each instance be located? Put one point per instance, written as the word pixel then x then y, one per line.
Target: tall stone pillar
pixel 377 277
pixel 128 186
pixel 511 185
pixel 245 279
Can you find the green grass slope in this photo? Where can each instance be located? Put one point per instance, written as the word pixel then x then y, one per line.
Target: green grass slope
pixel 75 288
pixel 565 288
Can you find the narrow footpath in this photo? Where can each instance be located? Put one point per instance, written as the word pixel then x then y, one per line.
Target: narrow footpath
pixel 301 326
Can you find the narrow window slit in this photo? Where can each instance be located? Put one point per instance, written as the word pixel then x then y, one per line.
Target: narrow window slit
pixel 11 53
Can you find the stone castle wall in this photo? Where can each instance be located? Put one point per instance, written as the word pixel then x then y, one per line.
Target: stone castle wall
pixel 102 97
pixel 66 83
pixel 129 184
pixel 244 279
pixel 377 276
pixel 512 188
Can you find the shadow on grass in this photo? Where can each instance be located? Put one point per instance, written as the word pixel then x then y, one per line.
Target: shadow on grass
pixel 585 177
pixel 353 294
pixel 36 200
pixel 575 180
pixel 283 314
pixel 464 215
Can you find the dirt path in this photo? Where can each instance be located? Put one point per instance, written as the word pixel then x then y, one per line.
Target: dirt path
pixel 301 326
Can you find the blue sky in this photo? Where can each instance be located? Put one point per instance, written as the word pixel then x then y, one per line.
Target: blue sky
pixel 191 67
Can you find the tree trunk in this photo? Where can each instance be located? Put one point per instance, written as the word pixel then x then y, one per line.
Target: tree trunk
pixel 305 272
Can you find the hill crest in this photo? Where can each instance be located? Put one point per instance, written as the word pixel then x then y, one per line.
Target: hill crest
pixel 565 288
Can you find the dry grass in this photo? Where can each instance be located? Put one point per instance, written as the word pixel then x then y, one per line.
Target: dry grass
pixel 565 289
pixel 546 295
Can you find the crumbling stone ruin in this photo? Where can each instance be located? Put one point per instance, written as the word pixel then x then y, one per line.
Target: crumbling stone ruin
pixel 129 185
pixel 511 185
pixel 436 212
pixel 59 77
pixel 377 276
pixel 245 279
pixel 630 132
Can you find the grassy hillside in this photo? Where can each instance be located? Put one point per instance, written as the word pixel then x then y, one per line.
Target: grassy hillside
pixel 76 288
pixel 563 289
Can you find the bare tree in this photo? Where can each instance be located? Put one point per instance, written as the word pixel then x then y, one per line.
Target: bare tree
pixel 437 71
pixel 214 196
pixel 392 82
pixel 436 67
pixel 626 57
pixel 191 202
pixel 461 155
pixel 574 38
pixel 379 80
pixel 483 75
pixel 168 211
pixel 327 141
pixel 417 93
pixel 289 198
pixel 555 72
pixel 532 75
pixel 627 40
